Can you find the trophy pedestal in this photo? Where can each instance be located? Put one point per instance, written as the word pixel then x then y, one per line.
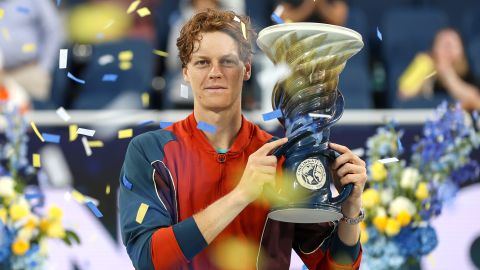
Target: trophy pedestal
pixel 315 214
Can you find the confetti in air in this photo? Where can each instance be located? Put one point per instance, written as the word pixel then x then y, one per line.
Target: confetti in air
pixel 272 115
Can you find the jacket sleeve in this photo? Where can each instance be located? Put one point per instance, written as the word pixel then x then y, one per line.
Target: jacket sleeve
pixel 320 248
pixel 155 242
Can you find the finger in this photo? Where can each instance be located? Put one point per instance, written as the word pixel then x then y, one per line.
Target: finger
pixel 350 168
pixel 266 161
pixel 356 179
pixel 339 148
pixel 266 170
pixel 345 158
pixel 268 147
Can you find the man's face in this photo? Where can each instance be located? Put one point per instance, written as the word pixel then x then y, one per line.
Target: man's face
pixel 216 72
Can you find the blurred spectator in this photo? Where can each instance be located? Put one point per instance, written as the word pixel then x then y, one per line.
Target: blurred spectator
pixel 321 11
pixel 32 36
pixel 445 69
pixel 11 93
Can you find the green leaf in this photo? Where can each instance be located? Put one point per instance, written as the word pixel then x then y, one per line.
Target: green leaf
pixel 69 236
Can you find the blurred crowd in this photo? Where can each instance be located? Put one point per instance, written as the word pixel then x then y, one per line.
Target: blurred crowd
pixel 122 53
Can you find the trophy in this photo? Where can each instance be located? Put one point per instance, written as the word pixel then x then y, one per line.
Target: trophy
pixel 310 103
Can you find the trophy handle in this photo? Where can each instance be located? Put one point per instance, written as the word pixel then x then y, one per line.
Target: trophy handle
pixel 347 189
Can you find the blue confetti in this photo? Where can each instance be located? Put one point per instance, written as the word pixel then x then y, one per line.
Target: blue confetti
pixel 399 144
pixel 379 35
pixel 109 77
pixel 52 138
pixel 94 209
pixel 69 75
pixel 277 19
pixel 165 124
pixel 206 127
pixel 272 115
pixel 127 183
pixel 24 10
pixel 31 196
pixel 145 123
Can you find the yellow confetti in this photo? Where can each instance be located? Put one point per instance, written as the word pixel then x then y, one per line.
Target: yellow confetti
pixel 244 31
pixel 125 65
pixel 143 12
pixel 133 6
pixel 77 196
pixel 72 130
pixel 94 144
pixel 107 190
pixel 6 34
pixel 2 12
pixel 160 53
pixel 145 100
pixel 142 210
pixel 29 47
pixel 36 161
pixel 36 131
pixel 125 56
pixel 126 133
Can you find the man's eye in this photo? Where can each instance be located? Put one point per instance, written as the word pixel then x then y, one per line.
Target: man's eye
pixel 201 62
pixel 228 62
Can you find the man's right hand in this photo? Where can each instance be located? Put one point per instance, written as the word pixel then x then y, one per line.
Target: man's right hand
pixel 260 170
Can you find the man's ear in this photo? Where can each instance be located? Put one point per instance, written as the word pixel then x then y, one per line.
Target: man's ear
pixel 186 77
pixel 248 71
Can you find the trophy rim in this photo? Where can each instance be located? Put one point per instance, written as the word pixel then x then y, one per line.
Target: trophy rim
pixel 268 35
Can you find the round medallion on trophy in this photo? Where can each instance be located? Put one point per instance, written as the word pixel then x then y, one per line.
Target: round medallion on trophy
pixel 311 174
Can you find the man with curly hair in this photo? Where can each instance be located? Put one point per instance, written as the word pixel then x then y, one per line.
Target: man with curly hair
pixel 191 194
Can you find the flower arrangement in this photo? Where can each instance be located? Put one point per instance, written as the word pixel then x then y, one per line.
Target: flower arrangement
pixel 25 223
pixel 403 197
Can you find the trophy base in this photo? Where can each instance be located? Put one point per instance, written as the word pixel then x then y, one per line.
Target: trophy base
pixel 305 215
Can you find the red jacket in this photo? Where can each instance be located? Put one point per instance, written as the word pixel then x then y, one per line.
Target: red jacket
pixel 177 173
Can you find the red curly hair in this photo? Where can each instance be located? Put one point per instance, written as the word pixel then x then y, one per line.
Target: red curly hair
pixel 213 20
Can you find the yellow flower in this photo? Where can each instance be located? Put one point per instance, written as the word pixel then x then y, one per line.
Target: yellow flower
pixel 380 223
pixel 422 191
pixel 393 227
pixel 19 211
pixel 363 236
pixel 378 171
pixel 404 218
pixel 362 225
pixel 32 222
pixel 370 198
pixel 55 212
pixel 56 230
pixel 44 225
pixel 3 215
pixel 20 247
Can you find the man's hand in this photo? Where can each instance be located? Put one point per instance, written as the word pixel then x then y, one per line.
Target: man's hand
pixel 349 168
pixel 260 170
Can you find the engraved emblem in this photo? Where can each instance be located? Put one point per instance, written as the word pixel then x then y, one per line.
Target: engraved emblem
pixel 311 174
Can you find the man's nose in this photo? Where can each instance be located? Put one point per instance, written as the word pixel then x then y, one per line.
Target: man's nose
pixel 215 72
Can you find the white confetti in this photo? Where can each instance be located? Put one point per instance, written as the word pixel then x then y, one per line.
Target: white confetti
pixel 319 115
pixel 106 59
pixel 62 59
pixel 86 132
pixel 184 91
pixel 236 19
pixel 88 150
pixel 388 160
pixel 358 152
pixel 62 113
pixel 279 10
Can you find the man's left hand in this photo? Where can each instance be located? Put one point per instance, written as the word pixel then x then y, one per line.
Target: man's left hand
pixel 349 168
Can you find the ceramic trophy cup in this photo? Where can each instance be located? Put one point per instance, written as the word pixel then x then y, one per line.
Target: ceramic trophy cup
pixel 310 103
